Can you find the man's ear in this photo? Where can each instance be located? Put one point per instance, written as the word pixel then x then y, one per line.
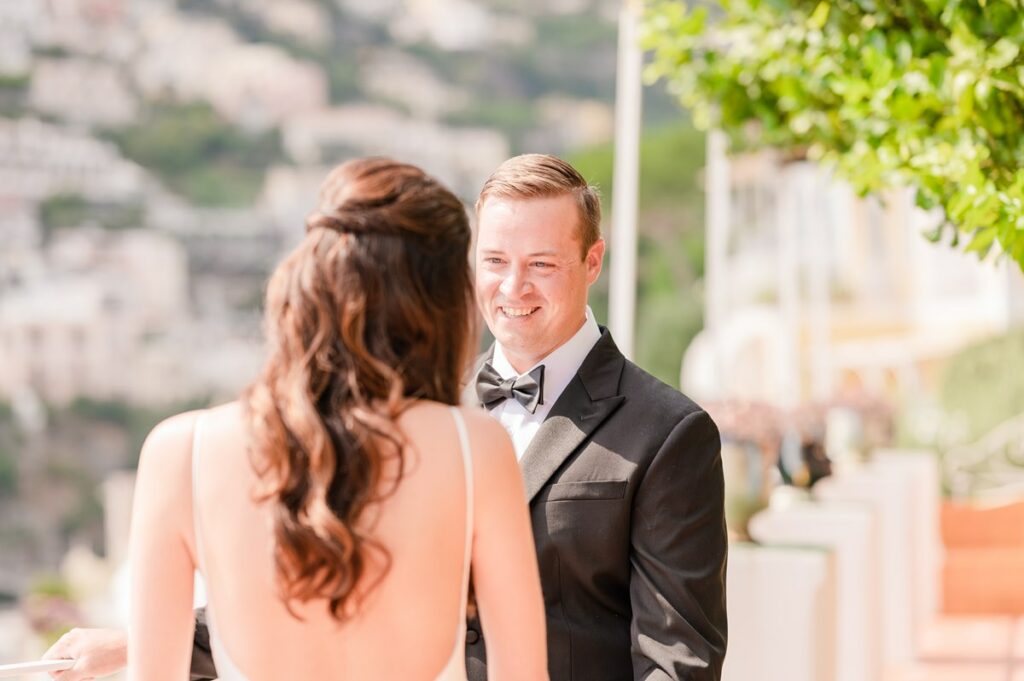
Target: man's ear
pixel 594 261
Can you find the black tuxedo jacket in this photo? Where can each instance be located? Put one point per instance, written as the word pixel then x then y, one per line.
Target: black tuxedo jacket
pixel 624 482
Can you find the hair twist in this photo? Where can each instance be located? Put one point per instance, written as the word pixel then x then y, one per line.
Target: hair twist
pixel 358 327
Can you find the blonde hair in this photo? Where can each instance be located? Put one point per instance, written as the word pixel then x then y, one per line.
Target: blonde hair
pixel 534 176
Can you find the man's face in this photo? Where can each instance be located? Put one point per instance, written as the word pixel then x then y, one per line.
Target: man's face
pixel 531 278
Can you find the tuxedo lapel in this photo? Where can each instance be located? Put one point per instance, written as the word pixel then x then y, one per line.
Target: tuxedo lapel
pixel 572 419
pixel 589 399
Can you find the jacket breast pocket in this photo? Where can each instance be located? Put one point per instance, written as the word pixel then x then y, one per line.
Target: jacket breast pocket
pixel 587 490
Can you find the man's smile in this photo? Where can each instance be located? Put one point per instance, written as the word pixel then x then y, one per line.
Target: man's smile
pixel 516 312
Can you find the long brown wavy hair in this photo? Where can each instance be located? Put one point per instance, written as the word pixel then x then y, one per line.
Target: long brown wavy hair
pixel 371 311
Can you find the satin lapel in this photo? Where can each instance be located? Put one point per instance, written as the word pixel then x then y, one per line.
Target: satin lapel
pixel 573 418
pixel 587 401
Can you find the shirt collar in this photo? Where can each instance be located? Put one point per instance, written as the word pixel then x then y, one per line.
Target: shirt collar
pixel 561 364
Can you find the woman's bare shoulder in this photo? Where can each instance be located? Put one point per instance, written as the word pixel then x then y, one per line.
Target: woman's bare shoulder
pixel 169 437
pixel 481 424
pixel 486 435
pixel 169 445
pixel 493 455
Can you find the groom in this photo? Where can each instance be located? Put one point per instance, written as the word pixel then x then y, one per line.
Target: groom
pixel 623 474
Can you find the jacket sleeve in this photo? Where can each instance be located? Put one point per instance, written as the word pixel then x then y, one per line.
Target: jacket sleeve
pixel 678 557
pixel 202 655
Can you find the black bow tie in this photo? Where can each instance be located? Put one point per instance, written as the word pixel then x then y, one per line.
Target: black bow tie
pixel 527 390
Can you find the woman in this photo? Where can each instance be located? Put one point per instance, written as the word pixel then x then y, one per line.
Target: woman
pixel 335 509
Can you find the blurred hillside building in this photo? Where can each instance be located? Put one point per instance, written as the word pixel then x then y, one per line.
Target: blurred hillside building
pixel 814 292
pixel 82 91
pixel 91 319
pixel 38 160
pixel 459 157
pixel 131 313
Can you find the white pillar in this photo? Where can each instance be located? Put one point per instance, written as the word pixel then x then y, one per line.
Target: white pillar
pixel 628 95
pixel 890 494
pixel 814 223
pixel 786 186
pixel 716 249
pixel 782 613
pixel 849 531
pixel 118 492
pixel 922 467
pixel 717 226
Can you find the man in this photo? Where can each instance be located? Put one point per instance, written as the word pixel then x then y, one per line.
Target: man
pixel 623 474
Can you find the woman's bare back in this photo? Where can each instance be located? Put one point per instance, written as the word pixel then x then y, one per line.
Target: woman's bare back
pixel 408 625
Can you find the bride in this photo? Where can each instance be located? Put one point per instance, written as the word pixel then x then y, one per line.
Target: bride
pixel 336 508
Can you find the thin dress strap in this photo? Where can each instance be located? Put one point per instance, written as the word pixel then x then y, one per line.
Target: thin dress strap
pixel 467 461
pixel 226 667
pixel 195 493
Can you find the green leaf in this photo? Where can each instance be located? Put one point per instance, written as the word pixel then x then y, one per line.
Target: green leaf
pixel 927 94
pixel 820 15
pixel 982 241
pixel 934 235
pixel 965 100
pixel 1002 54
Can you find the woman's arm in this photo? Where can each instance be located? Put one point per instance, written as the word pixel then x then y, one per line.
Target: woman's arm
pixel 161 550
pixel 505 574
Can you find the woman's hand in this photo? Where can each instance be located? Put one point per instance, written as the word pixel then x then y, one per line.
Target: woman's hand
pixel 96 652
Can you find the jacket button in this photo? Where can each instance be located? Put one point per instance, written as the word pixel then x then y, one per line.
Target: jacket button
pixel 472 636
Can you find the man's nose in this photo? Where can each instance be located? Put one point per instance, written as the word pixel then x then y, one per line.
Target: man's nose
pixel 514 284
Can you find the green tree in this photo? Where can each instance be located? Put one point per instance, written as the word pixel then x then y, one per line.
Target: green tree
pixel 13 94
pixel 8 473
pixel 984 383
pixel 8 447
pixel 62 211
pixel 199 154
pixel 927 94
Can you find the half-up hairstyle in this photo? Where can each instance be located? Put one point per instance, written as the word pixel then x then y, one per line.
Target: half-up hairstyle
pixel 371 310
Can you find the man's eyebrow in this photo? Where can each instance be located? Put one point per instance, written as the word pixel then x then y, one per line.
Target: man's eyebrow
pixel 535 254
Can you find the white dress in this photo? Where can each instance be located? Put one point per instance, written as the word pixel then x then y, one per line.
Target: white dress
pixel 454 670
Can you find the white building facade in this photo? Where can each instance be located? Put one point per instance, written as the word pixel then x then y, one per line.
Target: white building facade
pixel 812 291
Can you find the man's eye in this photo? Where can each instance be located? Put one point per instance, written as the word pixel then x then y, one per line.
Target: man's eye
pixel 542 265
pixel 492 261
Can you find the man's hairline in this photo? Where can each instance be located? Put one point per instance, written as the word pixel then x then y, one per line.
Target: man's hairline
pixel 573 193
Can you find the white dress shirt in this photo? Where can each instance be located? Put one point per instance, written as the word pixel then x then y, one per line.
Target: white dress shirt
pixel 559 368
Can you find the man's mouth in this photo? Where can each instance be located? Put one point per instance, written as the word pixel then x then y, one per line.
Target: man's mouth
pixel 517 312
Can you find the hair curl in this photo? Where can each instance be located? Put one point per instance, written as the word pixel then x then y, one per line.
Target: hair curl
pixel 370 311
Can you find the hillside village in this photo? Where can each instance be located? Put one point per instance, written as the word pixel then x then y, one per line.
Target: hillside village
pixel 157 157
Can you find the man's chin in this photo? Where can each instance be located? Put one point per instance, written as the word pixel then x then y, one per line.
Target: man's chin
pixel 526 326
pixel 511 340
